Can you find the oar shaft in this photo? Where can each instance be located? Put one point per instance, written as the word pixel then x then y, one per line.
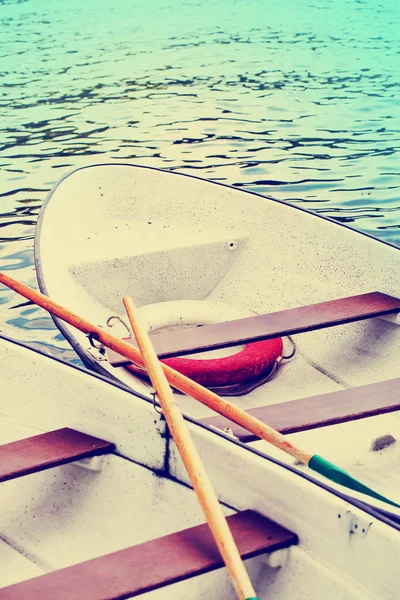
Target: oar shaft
pixel 234 413
pixel 184 384
pixel 177 380
pixel 192 461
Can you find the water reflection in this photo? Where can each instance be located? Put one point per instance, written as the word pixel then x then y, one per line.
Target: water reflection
pixel 295 100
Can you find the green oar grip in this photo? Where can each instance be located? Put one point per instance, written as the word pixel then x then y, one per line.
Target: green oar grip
pixel 334 473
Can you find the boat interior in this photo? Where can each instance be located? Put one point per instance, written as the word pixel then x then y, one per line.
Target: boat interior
pixel 162 237
pixel 96 503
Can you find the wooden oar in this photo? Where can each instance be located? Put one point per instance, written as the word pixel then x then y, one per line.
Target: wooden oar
pixel 192 461
pixel 177 380
pixel 210 399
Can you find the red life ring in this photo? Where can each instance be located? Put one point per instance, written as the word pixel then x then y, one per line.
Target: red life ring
pixel 254 360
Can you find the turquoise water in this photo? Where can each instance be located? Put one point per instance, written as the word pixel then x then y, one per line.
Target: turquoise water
pixel 297 99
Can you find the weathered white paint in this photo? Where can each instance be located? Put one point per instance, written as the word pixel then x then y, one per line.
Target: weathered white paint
pixel 114 230
pixel 59 517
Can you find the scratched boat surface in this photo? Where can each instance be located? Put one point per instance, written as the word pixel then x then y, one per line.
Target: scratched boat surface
pixel 76 512
pixel 137 234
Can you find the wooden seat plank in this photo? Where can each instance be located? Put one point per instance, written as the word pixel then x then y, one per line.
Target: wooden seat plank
pixel 154 564
pixel 262 327
pixel 48 450
pixel 319 411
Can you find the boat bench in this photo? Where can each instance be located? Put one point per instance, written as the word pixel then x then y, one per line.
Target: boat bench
pixel 263 327
pixel 319 411
pixel 48 450
pixel 306 413
pixel 154 564
pixel 133 571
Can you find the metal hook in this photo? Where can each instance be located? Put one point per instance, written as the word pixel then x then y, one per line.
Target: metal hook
pixel 293 352
pixel 94 339
pixel 120 320
pixel 156 407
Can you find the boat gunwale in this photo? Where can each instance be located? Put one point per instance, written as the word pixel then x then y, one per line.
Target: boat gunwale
pixel 201 179
pixel 99 371
pixel 86 358
pixel 380 514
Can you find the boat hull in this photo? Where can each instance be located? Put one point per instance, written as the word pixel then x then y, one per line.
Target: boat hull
pixel 59 517
pixel 113 230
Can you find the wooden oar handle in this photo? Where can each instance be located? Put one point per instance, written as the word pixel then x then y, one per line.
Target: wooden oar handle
pixel 191 459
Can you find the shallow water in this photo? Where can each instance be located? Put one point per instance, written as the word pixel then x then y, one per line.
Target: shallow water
pixel 298 100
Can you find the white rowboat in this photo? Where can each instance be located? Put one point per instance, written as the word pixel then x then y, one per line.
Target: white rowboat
pixel 112 516
pixel 189 251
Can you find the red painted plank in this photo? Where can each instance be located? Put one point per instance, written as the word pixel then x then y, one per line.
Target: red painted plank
pixel 263 327
pixel 154 564
pixel 320 411
pixel 48 450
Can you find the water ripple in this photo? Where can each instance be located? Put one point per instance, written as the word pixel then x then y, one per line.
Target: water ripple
pixel 296 100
